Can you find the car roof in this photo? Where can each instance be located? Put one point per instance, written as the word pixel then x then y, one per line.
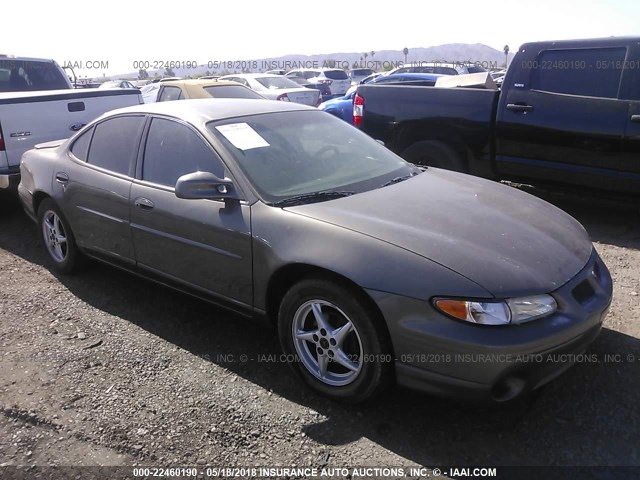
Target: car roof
pixel 200 111
pixel 199 83
pixel 252 75
pixel 416 75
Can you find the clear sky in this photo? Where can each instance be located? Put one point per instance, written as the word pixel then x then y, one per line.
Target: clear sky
pixel 122 33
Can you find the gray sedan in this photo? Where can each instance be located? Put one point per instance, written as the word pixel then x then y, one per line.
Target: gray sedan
pixel 374 270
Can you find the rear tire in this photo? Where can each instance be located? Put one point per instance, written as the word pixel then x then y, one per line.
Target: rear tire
pixel 430 153
pixel 57 238
pixel 334 340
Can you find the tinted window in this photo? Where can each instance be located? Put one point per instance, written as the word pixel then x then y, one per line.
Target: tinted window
pixel 590 72
pixel 336 74
pixel 23 75
pixel 115 143
pixel 173 150
pixel 231 91
pixel 80 147
pixel 362 72
pixel 170 93
pixel 476 69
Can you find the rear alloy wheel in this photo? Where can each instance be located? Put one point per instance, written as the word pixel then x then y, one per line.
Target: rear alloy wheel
pixel 430 153
pixel 57 237
pixel 336 340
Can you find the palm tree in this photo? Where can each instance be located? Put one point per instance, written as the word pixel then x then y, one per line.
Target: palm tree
pixel 405 52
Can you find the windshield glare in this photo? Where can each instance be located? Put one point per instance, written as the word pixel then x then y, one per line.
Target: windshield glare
pixel 286 154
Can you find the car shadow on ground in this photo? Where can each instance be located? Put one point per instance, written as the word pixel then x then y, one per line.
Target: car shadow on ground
pixel 589 416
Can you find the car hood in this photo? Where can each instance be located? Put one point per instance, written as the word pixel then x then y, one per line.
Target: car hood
pixel 507 241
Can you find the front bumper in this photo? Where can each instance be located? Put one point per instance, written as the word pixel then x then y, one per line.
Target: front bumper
pixel 453 358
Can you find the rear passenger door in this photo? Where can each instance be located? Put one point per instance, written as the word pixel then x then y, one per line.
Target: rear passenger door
pixel 94 186
pixel 201 244
pixel 563 117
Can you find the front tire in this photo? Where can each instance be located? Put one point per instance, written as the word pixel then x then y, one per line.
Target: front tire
pixel 337 340
pixel 57 238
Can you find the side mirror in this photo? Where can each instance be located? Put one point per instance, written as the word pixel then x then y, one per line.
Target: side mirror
pixel 205 185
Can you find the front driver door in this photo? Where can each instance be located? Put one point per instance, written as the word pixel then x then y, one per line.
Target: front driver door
pixel 201 244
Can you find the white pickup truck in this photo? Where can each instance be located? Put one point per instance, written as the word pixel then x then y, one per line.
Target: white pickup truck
pixel 38 104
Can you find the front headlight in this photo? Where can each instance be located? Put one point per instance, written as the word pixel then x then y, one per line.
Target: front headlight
pixel 513 310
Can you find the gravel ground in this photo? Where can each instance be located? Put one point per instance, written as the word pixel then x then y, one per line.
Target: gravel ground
pixel 104 368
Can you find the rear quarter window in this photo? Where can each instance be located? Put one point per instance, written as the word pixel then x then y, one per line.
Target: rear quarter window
pixel 80 147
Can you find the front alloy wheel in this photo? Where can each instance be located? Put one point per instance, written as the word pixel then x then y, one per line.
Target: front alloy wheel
pixel 336 338
pixel 327 342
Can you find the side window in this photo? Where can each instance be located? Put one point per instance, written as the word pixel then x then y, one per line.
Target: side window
pixel 170 93
pixel 173 150
pixel 115 143
pixel 589 72
pixel 80 147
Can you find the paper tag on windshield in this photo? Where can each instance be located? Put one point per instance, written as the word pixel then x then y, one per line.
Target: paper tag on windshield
pixel 242 136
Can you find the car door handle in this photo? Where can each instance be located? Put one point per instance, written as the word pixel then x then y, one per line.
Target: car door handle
pixel 62 177
pixel 517 107
pixel 635 118
pixel 143 203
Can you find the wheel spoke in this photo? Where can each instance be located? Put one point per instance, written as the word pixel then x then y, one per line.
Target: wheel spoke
pixel 59 251
pixel 321 320
pixel 322 365
pixel 56 223
pixel 306 335
pixel 49 224
pixel 341 333
pixel 61 238
pixel 341 358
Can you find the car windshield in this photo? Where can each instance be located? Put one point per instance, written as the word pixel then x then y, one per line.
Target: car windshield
pixel 231 91
pixel 276 83
pixel 476 69
pixel 287 154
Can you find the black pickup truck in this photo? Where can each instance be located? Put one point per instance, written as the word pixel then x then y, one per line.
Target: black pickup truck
pixel 568 113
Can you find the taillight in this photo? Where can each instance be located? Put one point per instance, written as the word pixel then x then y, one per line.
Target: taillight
pixel 358 110
pixel 1 141
pixel 283 98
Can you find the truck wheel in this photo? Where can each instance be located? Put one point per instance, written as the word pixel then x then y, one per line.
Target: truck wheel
pixel 57 238
pixel 334 341
pixel 430 153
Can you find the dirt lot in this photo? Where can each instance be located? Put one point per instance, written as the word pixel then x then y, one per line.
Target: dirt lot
pixel 103 368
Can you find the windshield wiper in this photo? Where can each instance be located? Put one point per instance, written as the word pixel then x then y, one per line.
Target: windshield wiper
pixel 400 179
pixel 311 198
